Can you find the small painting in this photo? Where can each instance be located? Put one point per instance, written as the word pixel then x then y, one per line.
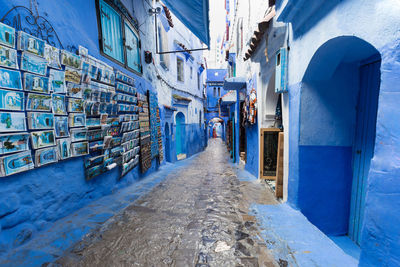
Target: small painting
pixel 58 102
pixel 95 135
pixel 43 139
pixel 8 57
pixel 61 126
pixel 37 102
pixel 33 63
pixel 40 121
pixel 77 120
pixel 57 81
pixel 36 83
pixel 52 55
pixel 12 122
pixel 11 143
pixel 16 163
pixel 10 79
pixel 11 100
pixel 93 122
pixel 78 134
pixel 74 90
pixel 7 35
pixel 64 148
pixel 45 156
pixel 27 42
pixel 71 60
pixel 73 75
pixel 79 149
pixel 75 105
pixel 90 173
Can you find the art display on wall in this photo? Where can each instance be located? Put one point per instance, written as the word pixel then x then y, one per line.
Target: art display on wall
pixel 12 122
pixel 71 60
pixel 36 83
pixel 72 75
pixel 52 55
pixel 11 100
pixel 7 35
pixel 78 134
pixel 74 90
pixel 8 57
pixel 40 121
pixel 10 79
pixel 11 143
pixel 33 63
pixel 64 148
pixel 45 156
pixel 77 120
pixel 43 139
pixel 27 42
pixel 57 81
pixel 79 149
pixel 75 105
pixel 16 163
pixel 61 126
pixel 58 104
pixel 38 102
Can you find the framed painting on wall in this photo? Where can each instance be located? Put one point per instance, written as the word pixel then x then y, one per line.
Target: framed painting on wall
pixel 61 126
pixel 74 90
pixel 11 100
pixel 57 81
pixel 16 163
pixel 64 148
pixel 73 75
pixel 27 42
pixel 12 122
pixel 58 103
pixel 36 83
pixel 45 156
pixel 79 149
pixel 8 57
pixel 71 60
pixel 40 121
pixel 43 139
pixel 10 79
pixel 38 102
pixel 7 35
pixel 10 143
pixel 52 55
pixel 78 134
pixel 75 105
pixel 77 120
pixel 33 63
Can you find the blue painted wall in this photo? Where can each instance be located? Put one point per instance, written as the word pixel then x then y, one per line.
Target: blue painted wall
pixel 33 200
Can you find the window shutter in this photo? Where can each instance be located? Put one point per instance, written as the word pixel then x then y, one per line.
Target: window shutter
pixel 132 49
pixel 111 32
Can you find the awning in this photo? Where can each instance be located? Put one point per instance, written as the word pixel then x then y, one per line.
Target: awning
pixel 194 14
pixel 235 83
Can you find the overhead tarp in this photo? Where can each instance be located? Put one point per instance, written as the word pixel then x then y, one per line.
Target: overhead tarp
pixel 194 14
pixel 235 83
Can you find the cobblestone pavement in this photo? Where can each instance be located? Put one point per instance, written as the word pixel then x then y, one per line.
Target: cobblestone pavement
pixel 196 218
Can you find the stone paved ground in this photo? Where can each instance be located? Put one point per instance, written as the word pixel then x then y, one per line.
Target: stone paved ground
pixel 197 217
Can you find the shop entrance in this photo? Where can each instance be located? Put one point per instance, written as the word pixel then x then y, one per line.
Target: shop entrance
pixel 242 135
pixel 180 136
pixel 338 112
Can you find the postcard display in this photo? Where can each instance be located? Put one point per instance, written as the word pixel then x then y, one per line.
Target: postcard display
pixel 145 139
pixel 56 105
pixel 155 128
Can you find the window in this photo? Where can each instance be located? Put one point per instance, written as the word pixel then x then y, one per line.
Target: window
pixel 191 72
pixel 119 40
pixel 215 92
pixel 180 69
pixel 219 91
pixel 163 46
pixel 198 80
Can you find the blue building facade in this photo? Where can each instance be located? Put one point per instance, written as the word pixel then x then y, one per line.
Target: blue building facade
pixel 344 150
pixel 31 201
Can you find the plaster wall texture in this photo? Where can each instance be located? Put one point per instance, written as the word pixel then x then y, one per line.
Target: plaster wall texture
pixel 377 23
pixel 32 201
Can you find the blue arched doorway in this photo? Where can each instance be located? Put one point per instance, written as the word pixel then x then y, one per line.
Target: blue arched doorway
pixel 180 135
pixel 338 110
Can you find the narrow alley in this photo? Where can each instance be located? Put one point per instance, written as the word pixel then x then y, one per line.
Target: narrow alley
pixel 196 217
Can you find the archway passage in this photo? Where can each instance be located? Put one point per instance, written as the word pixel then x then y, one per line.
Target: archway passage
pixel 216 128
pixel 180 136
pixel 338 113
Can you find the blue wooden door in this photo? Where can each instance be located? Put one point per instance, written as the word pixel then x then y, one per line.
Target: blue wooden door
pixel 364 143
pixel 179 133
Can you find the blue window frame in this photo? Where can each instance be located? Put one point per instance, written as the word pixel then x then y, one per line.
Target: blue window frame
pixel 119 40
